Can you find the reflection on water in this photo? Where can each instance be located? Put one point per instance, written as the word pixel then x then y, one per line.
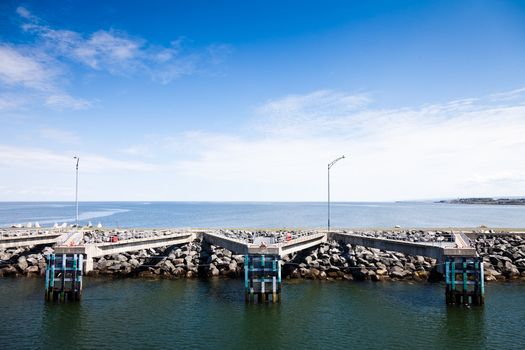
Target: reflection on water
pixel 461 321
pixel 181 314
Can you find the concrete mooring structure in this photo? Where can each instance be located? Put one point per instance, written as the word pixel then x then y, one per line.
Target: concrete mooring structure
pixel 64 277
pixel 464 281
pixel 262 278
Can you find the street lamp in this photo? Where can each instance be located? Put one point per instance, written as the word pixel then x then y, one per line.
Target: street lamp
pixel 76 187
pixel 330 165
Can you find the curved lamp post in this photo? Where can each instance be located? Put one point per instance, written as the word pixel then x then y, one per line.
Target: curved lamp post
pixel 330 165
pixel 76 187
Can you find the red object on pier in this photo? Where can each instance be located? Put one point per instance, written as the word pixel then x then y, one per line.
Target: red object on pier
pixel 114 239
pixel 288 236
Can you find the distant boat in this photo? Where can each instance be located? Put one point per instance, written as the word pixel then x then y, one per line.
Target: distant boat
pixel 99 225
pixel 37 225
pixel 89 224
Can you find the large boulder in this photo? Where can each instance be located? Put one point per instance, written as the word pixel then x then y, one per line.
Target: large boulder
pixel 360 274
pixel 32 269
pixel 168 266
pixel 398 272
pixel 8 271
pixel 22 263
pixel 314 273
pixel 213 271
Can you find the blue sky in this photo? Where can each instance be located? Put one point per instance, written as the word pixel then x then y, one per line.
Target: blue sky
pixel 249 100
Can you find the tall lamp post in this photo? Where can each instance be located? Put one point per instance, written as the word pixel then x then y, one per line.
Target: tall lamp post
pixel 330 165
pixel 76 187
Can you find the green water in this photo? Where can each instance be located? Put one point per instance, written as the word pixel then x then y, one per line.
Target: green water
pixel 184 314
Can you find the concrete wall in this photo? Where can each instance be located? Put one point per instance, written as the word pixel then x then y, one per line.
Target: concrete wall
pixel 233 245
pixel 24 241
pixel 409 248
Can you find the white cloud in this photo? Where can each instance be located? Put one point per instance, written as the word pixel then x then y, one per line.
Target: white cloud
pixel 468 147
pixel 116 48
pixel 32 76
pixel 471 147
pixel 174 69
pixel 118 53
pixel 36 73
pixel 12 158
pixel 508 95
pixel 24 13
pixel 103 50
pixel 64 101
pixel 319 111
pixel 19 69
pixel 59 135
pixel 9 102
pixel 429 151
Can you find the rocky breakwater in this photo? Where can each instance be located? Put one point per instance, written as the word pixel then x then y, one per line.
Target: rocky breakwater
pixel 23 261
pixel 196 259
pixel 422 236
pixel 503 256
pixel 176 262
pixel 332 260
pixel 221 262
pixel 108 235
pixel 269 236
pixel 23 232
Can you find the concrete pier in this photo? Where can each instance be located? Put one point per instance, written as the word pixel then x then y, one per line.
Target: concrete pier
pixel 31 239
pixel 452 250
pixel 457 247
pixel 239 246
pixel 91 251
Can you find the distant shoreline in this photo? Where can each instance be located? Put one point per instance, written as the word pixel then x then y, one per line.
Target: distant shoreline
pixel 486 201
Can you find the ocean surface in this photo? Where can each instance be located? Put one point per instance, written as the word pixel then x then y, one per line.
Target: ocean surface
pixel 263 214
pixel 195 314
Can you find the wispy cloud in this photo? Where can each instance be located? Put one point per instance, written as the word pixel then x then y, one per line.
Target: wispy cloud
pixel 118 53
pixel 318 111
pixel 40 70
pixel 59 135
pixel 23 69
pixel 467 147
pixel 435 150
pixel 31 75
pixel 64 101
pixel 110 50
pixel 39 158
pixel 11 102
pixel 508 95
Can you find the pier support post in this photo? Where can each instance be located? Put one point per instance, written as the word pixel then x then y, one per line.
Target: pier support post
pixel 469 289
pixel 63 277
pixel 262 278
pixel 88 264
